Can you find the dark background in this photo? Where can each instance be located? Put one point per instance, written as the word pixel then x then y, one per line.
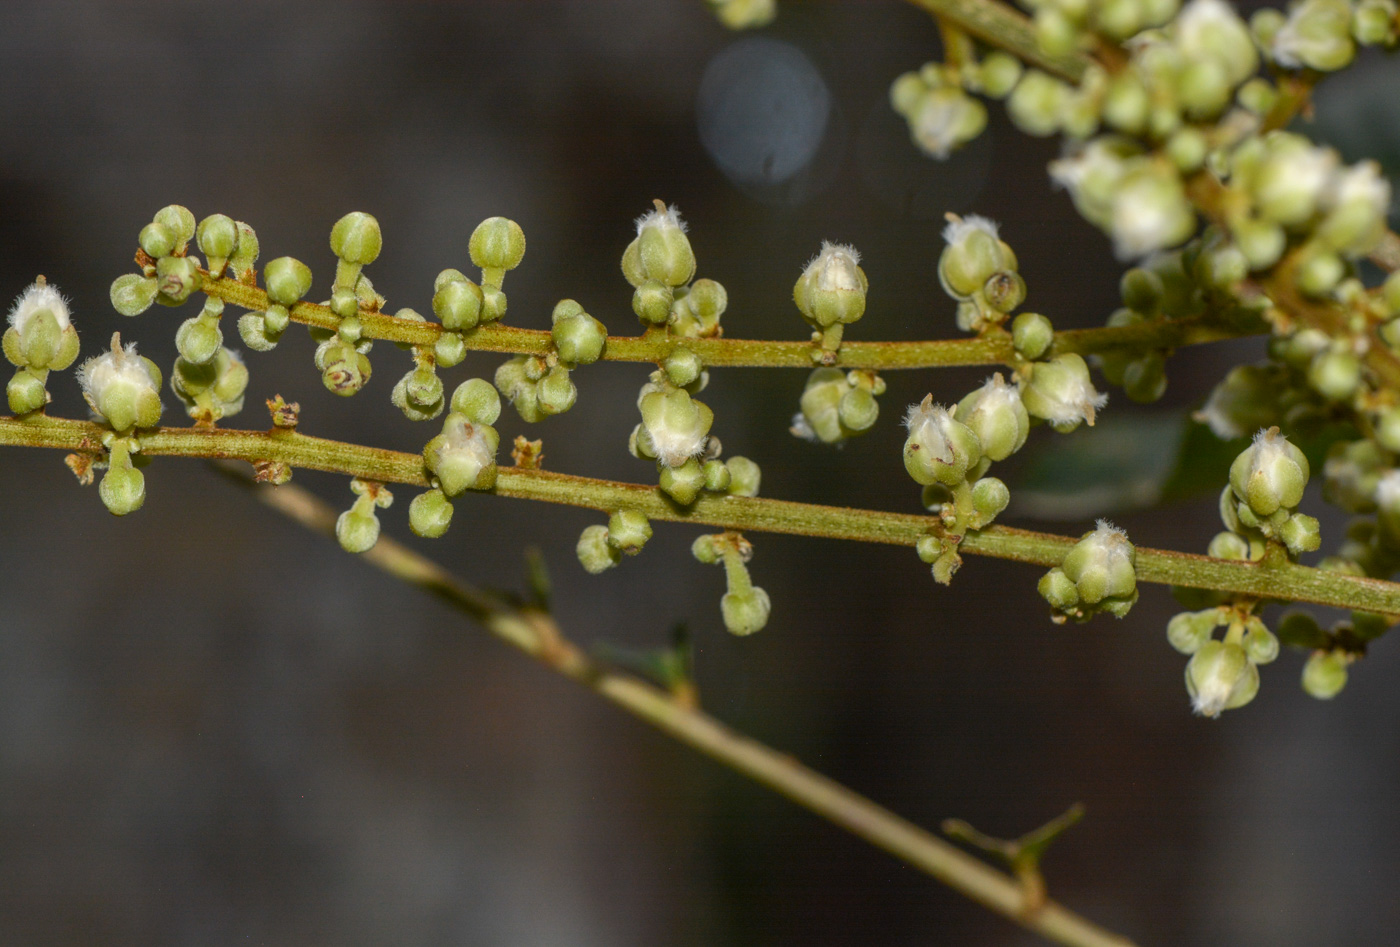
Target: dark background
pixel 216 728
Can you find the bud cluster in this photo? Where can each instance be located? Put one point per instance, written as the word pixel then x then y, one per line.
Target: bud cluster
pixel 602 547
pixel 40 339
pixel 1097 575
pixel 837 405
pixel 830 294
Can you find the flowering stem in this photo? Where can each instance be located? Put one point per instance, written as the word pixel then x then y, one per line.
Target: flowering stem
pixel 536 633
pixel 991 349
pixel 1008 29
pixel 1282 581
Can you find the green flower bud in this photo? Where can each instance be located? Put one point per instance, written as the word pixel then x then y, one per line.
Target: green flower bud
pixel 1320 273
pixel 1060 392
pixel 831 290
pixel 744 14
pixel 989 497
pixel 652 301
pixel 515 384
pixel 1387 429
pixel 628 531
pixel 696 311
pixel 179 221
pixel 1203 88
pixel 458 304
pixel 217 236
pixel 156 240
pixel 122 387
pixel 1291 179
pixel 683 367
pixel 345 304
pixel 344 369
pixel 1126 103
pixel 245 252
pixel 253 329
pixel 449 349
pixel 717 478
pixel 744 477
pixel 1229 545
pixel 706 549
pixel 123 488
pixel 463 456
pixel 356 238
pixel 1325 674
pixel 176 278
pixel 907 93
pixel 497 244
pixel 1035 104
pixel 973 255
pixel 1032 335
pixel 820 418
pixel 1245 400
pixel 430 514
pixel 996 415
pixel 1055 33
pixel 1059 590
pixel 41 335
pixel 556 391
pixel 746 611
pixel 198 339
pixel 998 74
pixel 1317 35
pixel 594 551
pixel 1270 474
pixel 1220 677
pixel 1301 533
pixel 477 401
pixel 1101 565
pixel 357 529
pixel 133 293
pixel 661 252
pixel 287 280
pixel 1374 22
pixel 857 410
pixel 418 395
pixel 939 449
pixel 1360 201
pixel 1188 150
pixel 945 118
pixel 1211 31
pixel 1150 211
pixel 684 482
pixel 1189 631
pixel 26 391
pixel 1261 242
pixel 578 337
pixel 1260 645
pixel 677 425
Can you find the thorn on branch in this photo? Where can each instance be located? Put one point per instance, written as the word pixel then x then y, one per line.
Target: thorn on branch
pixel 1022 855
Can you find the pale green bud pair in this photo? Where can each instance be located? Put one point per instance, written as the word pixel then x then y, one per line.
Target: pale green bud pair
pixel 1102 567
pixel 535 388
pixel 213 389
pixel 463 456
pixel 696 309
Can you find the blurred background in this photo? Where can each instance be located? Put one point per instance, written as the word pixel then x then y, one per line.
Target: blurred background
pixel 218 728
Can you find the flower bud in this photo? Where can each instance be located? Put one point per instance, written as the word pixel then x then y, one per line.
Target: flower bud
pixel 661 252
pixel 676 424
pixel 356 238
pixel 682 367
pixel 857 410
pixel 683 483
pixel 652 301
pixel 1060 591
pixel 998 74
pixel 176 278
pixel 458 304
pixel 1245 400
pixel 989 497
pixel 287 280
pixel 1325 674
pixel 1291 180
pixel 198 339
pixel 357 529
pixel 245 252
pixel 1317 34
pixel 449 349
pixel 744 477
pixel 820 418
pixel 1229 545
pixel 1211 31
pixel 430 514
pixel 578 337
pixel 418 395
pixel 122 387
pixel 1360 200
pixel 1260 645
pixel 217 236
pixel 628 531
pixel 179 221
pixel 497 244
pixel 1269 474
pixel 1034 106
pixel 254 331
pixel 1145 378
pixel 696 310
pixel 1150 211
pixel 556 392
pixel 945 118
pixel 1301 533
pixel 132 294
pixel 745 611
pixel 717 478
pixel 939 449
pixel 477 401
pixel 744 14
pixel 1101 565
pixel 344 369
pixel 123 488
pixel 1188 632
pixel 1059 391
pixel 594 552
pixel 1032 335
pixel 41 335
pixel 1219 677
pixel 973 255
pixel 996 415
pixel 156 240
pixel 831 290
pixel 463 456
pixel 1301 630
pixel 26 391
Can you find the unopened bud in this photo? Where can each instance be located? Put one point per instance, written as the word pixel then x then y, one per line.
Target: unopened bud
pixel 1269 474
pixel 430 514
pixel 939 449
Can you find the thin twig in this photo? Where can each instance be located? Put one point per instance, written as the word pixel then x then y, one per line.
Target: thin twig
pixel 537 634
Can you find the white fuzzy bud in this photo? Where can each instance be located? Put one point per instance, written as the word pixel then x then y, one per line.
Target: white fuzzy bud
pixel 122 386
pixel 37 297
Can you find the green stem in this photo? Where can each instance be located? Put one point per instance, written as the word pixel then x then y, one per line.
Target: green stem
pixel 537 635
pixel 1286 582
pixel 654 347
pixel 1005 28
